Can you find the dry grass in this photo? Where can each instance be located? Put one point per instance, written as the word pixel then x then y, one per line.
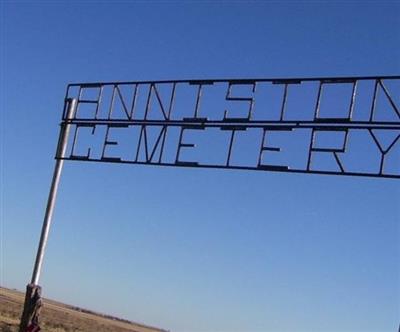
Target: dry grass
pixel 58 317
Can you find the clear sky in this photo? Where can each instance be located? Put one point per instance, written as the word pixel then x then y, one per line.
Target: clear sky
pixel 192 249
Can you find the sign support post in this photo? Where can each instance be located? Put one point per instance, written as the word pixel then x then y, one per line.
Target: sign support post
pixel 32 304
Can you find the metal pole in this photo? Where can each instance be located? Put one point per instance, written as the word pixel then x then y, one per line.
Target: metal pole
pixel 33 289
pixel 62 146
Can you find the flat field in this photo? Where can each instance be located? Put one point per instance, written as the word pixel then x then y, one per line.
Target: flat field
pixel 59 317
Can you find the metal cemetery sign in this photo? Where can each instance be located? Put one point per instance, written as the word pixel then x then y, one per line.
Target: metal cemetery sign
pixel 344 126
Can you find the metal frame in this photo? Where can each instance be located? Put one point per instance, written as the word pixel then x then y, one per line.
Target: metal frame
pixel 194 121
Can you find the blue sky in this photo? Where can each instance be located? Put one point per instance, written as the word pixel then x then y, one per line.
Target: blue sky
pixel 191 249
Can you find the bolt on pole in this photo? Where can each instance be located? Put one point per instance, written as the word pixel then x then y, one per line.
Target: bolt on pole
pixel 32 302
